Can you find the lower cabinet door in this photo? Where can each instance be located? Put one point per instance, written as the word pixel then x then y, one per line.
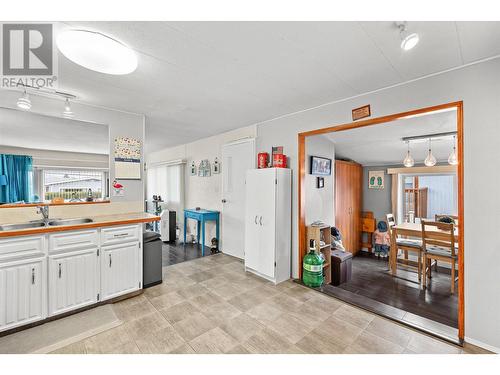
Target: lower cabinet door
pixel 23 295
pixel 120 269
pixel 73 280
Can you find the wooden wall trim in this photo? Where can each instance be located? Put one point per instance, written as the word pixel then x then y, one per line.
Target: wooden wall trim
pixel 435 169
pixel 458 105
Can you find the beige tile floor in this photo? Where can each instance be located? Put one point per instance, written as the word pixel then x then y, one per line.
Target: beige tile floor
pixel 210 305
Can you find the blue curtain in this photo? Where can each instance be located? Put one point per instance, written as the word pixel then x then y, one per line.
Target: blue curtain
pixel 19 172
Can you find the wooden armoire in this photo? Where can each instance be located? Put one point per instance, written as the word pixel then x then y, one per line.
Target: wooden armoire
pixel 348 203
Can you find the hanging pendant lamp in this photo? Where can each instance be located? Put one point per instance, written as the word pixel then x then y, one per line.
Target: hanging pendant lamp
pixel 430 160
pixel 408 162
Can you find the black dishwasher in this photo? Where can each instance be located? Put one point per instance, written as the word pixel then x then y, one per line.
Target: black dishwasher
pixel 151 259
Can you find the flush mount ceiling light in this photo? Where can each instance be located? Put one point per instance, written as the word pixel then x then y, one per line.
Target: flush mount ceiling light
pixel 24 102
pixel 453 159
pixel 96 51
pixel 408 40
pixel 67 113
pixel 409 161
pixel 430 160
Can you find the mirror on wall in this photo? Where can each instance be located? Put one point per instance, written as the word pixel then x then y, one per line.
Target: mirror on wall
pixel 52 160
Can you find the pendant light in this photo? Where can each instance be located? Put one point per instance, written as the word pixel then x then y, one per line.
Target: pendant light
pixel 430 160
pixel 408 40
pixel 453 159
pixel 24 102
pixel 409 161
pixel 68 113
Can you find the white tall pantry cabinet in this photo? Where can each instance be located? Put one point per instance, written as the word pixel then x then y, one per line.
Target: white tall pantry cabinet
pixel 268 220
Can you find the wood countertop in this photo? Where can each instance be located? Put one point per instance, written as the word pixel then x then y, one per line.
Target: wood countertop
pixel 97 222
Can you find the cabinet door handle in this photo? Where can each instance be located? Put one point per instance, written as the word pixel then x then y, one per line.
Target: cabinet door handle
pixel 260 221
pixel 33 276
pixel 110 261
pixel 60 272
pixel 255 219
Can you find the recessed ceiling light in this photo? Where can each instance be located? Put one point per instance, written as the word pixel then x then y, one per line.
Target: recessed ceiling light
pixel 408 40
pixel 96 51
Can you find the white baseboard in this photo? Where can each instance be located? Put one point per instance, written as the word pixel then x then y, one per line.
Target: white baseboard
pixel 482 345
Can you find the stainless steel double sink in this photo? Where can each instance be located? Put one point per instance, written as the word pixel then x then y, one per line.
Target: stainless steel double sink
pixel 41 223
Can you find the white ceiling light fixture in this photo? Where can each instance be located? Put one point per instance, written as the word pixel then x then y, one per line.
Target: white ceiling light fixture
pixel 408 40
pixel 453 158
pixel 24 102
pixel 67 113
pixel 96 51
pixel 430 160
pixel 408 162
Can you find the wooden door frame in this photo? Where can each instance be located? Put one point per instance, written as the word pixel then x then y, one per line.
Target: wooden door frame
pixel 380 120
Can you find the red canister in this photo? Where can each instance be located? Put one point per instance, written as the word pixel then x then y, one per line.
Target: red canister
pixel 279 161
pixel 262 160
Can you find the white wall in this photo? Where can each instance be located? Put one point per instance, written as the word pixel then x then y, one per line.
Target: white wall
pixel 479 87
pixel 204 192
pixel 320 202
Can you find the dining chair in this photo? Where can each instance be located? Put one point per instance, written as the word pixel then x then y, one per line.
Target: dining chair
pixel 438 245
pixel 405 244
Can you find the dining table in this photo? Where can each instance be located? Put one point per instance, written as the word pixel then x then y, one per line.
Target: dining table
pixel 412 230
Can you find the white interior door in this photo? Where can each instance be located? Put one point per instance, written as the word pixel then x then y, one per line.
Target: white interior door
pixel 237 158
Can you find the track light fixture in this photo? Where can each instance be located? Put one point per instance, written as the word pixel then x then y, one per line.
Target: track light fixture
pixel 24 102
pixel 67 113
pixel 408 40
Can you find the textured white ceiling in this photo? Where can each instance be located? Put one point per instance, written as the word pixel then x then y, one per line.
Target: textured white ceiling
pixel 382 144
pixel 197 79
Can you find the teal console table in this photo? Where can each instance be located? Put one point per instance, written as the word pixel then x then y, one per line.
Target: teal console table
pixel 201 216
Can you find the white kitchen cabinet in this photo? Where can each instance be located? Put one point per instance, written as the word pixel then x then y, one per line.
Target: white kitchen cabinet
pixel 121 269
pixel 73 280
pixel 268 223
pixel 23 288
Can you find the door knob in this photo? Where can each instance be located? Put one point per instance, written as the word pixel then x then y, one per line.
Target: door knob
pixel 224 201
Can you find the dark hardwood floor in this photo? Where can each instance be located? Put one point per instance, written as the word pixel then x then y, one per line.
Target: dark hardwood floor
pixel 371 278
pixel 173 253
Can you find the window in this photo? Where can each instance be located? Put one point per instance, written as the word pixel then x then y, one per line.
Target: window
pixel 72 183
pixel 425 196
pixel 168 182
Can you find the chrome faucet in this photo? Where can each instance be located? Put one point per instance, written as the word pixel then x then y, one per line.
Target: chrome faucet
pixel 44 211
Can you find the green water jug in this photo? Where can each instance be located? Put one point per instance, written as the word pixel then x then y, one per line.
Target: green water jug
pixel 312 265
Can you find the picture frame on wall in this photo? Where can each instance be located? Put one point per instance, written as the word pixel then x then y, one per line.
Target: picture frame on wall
pixel 320 166
pixel 320 182
pixel 376 179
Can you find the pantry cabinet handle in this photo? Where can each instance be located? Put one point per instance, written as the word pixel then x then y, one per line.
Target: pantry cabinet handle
pixel 256 219
pixel 33 276
pixel 260 221
pixel 110 260
pixel 60 270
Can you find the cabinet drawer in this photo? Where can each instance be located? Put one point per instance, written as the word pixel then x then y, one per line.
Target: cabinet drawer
pixel 69 241
pixel 115 235
pixel 22 247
